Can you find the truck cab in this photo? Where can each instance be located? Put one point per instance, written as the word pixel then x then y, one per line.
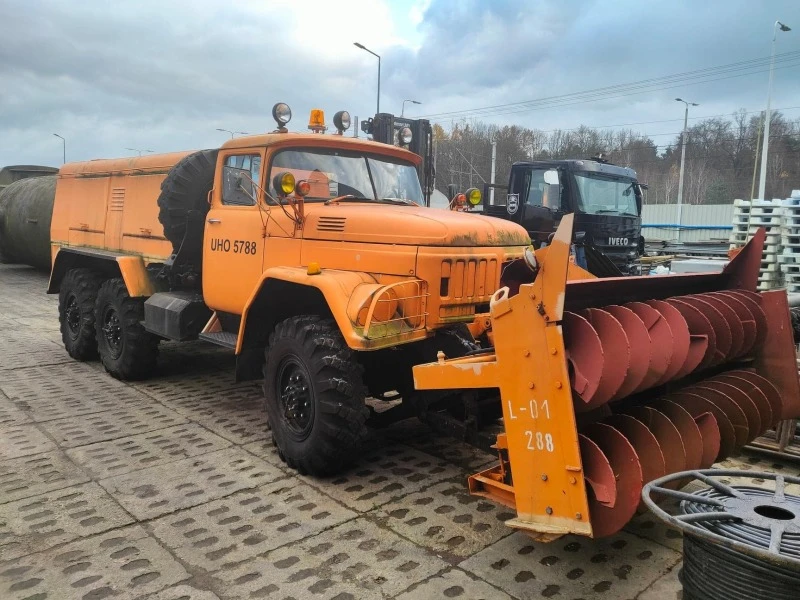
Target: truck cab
pixel 606 200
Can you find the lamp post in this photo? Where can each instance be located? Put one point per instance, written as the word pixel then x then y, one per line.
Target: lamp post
pixel 683 160
pixel 137 150
pixel 403 110
pixel 64 147
pixel 232 132
pixel 762 182
pixel 357 45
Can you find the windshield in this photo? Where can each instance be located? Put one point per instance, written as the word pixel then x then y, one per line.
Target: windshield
pixel 333 173
pixel 600 194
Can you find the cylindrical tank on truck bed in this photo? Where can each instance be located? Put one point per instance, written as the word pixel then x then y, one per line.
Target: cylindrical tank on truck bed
pixel 26 208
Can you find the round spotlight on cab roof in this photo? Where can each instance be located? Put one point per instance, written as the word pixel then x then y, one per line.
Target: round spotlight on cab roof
pixel 473 196
pixel 404 136
pixel 341 120
pixel 281 113
pixel 284 183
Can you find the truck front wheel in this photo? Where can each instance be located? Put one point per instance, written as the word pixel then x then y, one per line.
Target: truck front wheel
pixel 314 395
pixel 127 350
pixel 76 300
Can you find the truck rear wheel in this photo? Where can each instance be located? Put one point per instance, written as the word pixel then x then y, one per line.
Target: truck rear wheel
pixel 314 395
pixel 76 300
pixel 127 350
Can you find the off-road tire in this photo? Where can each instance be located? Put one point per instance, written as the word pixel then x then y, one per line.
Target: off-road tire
pixel 185 189
pixel 326 436
pixel 76 312
pixel 118 319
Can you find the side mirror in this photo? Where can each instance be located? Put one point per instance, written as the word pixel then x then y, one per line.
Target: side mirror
pixel 551 177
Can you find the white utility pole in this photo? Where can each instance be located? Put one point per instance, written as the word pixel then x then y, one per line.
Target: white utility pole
pixel 762 182
pixel 494 165
pixel 683 161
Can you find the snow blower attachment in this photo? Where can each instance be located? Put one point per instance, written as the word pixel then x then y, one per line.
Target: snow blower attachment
pixel 607 384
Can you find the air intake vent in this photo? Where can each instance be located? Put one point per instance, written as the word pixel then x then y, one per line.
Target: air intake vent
pixel 330 224
pixel 117 199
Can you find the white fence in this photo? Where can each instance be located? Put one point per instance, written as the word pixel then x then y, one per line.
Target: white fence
pixel 699 222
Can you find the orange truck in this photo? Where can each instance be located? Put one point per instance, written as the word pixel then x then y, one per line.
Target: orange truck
pixel 310 256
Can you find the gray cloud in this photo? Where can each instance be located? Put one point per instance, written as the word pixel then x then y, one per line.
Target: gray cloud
pixel 164 75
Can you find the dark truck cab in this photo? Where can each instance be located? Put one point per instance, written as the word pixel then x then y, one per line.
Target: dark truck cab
pixel 606 200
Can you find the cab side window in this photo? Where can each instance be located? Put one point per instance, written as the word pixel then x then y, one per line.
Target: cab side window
pixel 241 178
pixel 544 189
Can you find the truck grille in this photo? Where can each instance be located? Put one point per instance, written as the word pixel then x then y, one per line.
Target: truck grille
pixel 467 280
pixel 331 224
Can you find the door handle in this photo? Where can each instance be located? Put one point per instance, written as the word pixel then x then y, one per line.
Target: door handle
pixel 214 221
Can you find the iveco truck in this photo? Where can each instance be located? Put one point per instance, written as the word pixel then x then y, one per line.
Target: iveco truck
pixel 606 200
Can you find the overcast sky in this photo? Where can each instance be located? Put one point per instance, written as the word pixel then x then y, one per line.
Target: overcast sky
pixel 163 75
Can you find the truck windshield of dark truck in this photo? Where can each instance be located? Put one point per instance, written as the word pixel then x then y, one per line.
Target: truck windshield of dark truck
pixel 603 195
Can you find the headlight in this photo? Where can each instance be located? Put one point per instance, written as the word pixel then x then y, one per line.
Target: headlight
pixel 284 183
pixel 281 113
pixel 404 136
pixel 530 259
pixel 341 120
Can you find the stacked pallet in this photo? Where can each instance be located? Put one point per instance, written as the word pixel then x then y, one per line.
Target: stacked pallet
pixel 748 216
pixel 790 242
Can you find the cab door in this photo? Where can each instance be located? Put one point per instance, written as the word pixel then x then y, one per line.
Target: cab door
pixel 233 245
pixel 539 203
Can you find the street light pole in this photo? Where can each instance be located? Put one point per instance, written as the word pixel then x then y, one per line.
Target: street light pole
pixel 683 161
pixel 403 110
pixel 64 147
pixel 762 182
pixel 226 131
pixel 363 47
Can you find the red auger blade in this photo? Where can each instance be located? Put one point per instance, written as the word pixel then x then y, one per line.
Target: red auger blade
pixel 661 342
pixel 766 387
pixel 598 472
pixel 723 339
pixel 731 319
pixel 731 410
pixel 640 345
pixel 616 346
pixel 644 441
pixel 743 316
pixel 738 397
pixel 755 394
pixel 627 473
pixel 691 441
pixel 585 355
pixel 680 364
pixel 753 303
pixel 698 406
pixel 699 328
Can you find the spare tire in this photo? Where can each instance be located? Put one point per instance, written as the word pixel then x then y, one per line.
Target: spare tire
pixel 183 202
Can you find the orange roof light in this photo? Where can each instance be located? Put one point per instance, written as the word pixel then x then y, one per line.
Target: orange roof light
pixel 316 121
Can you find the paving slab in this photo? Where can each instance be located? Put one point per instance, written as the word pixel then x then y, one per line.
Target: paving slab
pixel 39 523
pixel 356 560
pixel 620 566
pixel 666 587
pixel 448 520
pixel 249 523
pixel 35 351
pixel 156 491
pixel 122 563
pixel 23 440
pixel 453 583
pixel 385 475
pixel 181 592
pixel 123 420
pixel 62 391
pixel 32 475
pixel 10 415
pixel 131 453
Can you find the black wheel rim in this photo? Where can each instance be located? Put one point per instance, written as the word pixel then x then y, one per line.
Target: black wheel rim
pixel 112 331
pixel 72 316
pixel 296 400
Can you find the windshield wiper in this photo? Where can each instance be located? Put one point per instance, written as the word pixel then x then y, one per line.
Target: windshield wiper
pixel 403 201
pixel 349 198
